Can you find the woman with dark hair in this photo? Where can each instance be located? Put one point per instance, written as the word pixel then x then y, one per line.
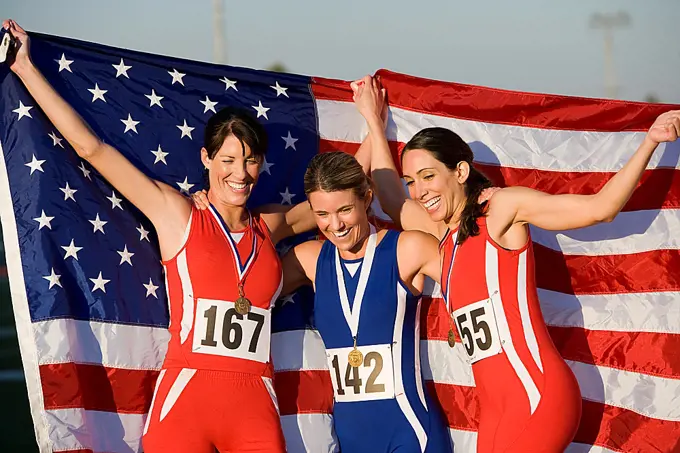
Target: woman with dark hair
pixel 529 398
pixel 367 309
pixel 222 274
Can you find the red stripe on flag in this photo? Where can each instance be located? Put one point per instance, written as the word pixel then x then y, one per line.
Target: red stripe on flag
pixel 94 387
pixel 491 105
pixel 623 430
pixel 304 392
pixel 658 188
pixel 607 274
pixel 639 352
pixel 458 403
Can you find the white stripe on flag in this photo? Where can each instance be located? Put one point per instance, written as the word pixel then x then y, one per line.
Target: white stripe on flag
pixel 71 429
pixel 626 312
pixel 296 350
pixel 500 144
pixel 630 232
pixel 445 365
pixel 463 441
pixel 108 344
pixel 651 396
pixel 309 432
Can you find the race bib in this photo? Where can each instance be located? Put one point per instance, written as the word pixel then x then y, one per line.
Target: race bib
pixel 372 380
pixel 478 330
pixel 220 330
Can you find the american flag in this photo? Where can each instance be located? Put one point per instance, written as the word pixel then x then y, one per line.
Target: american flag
pixel 88 289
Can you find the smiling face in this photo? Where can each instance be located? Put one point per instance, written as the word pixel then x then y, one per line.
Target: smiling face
pixel 232 172
pixel 342 217
pixel 439 190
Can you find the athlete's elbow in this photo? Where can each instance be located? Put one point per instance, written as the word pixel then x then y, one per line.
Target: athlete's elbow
pixel 89 149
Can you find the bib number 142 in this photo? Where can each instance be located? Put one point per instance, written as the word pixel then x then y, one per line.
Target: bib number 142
pixel 372 380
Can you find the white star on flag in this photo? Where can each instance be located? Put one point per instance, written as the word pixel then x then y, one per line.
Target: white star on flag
pixel 86 172
pixel 151 289
pixel 23 110
pixel 143 233
pixel 64 64
pixel 97 93
pixel 53 278
pixel 44 221
pixel 290 141
pixel 160 155
pixel 121 69
pixel 228 83
pixel 68 192
pixel 71 250
pixel 287 300
pixel 185 186
pixel 261 110
pixel 265 166
pixel 130 124
pixel 186 130
pixel 35 164
pixel 115 201
pixel 56 141
pixel 125 256
pixel 287 197
pixel 98 224
pixel 99 283
pixel 279 89
pixel 176 76
pixel 154 99
pixel 209 105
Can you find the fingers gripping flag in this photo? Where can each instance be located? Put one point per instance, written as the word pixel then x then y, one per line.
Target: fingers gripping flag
pixel 88 287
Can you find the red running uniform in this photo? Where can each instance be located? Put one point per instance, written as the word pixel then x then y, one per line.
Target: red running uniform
pixel 215 389
pixel 529 398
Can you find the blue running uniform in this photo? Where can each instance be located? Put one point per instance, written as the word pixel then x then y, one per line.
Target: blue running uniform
pixel 382 405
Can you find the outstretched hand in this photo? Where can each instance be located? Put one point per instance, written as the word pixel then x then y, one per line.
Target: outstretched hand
pixel 666 128
pixel 370 98
pixel 200 199
pixel 21 56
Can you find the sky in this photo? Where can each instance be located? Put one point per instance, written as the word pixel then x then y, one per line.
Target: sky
pixel 525 45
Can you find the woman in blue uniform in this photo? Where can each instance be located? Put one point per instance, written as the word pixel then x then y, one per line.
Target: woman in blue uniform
pixel 367 309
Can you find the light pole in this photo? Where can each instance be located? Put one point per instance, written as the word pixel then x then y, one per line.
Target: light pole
pixel 219 54
pixel 608 23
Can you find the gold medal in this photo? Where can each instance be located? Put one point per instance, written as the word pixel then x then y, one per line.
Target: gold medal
pixel 451 339
pixel 355 358
pixel 242 304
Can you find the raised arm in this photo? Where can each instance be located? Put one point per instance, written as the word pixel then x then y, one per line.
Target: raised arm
pixel 520 205
pixel 162 204
pixel 404 212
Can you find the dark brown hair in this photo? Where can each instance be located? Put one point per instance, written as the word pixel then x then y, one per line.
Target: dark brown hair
pixel 237 122
pixel 448 148
pixel 336 171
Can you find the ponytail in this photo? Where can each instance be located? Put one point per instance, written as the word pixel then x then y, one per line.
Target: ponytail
pixel 475 184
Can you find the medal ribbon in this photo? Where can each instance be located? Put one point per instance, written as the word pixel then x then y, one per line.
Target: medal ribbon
pixel 352 315
pixel 242 270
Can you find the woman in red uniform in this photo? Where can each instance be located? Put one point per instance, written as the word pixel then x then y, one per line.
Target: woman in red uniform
pixel 529 398
pixel 223 276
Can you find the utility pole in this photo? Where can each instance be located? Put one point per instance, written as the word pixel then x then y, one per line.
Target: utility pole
pixel 219 54
pixel 608 23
